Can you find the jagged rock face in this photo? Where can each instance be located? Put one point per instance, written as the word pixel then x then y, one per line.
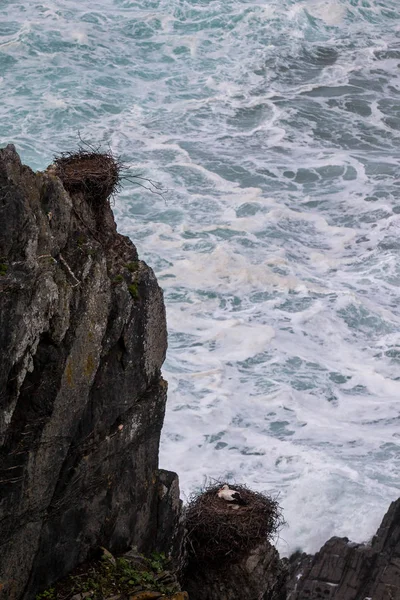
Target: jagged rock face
pixel 171 531
pixel 82 341
pixel 259 575
pixel 342 570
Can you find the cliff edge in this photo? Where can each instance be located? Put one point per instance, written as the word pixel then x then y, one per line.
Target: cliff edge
pixel 82 340
pixel 343 570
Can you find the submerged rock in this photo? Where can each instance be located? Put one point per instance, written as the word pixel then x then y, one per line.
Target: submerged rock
pixel 82 341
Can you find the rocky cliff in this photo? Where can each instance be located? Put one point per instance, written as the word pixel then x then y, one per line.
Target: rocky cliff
pixel 343 570
pixel 82 341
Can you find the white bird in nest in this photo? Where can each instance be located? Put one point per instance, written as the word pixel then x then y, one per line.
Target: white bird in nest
pixel 231 496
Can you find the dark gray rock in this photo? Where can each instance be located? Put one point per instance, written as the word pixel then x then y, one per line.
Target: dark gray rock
pixel 342 570
pixel 82 341
pixel 259 575
pixel 170 521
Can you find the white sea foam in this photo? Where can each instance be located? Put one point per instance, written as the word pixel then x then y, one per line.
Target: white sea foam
pixel 332 12
pixel 274 130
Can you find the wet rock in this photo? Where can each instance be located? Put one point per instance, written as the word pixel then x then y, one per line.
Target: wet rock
pixel 82 340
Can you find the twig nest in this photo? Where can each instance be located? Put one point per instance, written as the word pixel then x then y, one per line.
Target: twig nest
pixel 221 532
pixel 93 173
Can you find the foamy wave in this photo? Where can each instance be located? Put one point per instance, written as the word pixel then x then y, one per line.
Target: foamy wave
pixel 273 129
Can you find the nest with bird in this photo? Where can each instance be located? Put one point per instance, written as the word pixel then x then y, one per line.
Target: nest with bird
pixel 221 532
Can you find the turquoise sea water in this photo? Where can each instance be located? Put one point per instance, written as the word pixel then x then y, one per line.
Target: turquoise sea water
pixel 274 128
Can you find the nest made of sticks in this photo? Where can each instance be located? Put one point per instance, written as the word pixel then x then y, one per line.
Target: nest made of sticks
pixel 95 174
pixel 218 533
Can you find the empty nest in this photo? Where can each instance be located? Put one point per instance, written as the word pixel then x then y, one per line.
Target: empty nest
pixel 218 534
pixel 91 172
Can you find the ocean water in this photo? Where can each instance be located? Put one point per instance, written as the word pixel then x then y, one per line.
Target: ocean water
pixel 273 128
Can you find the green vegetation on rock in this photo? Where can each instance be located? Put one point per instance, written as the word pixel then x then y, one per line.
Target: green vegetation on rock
pixel 133 290
pixel 110 576
pixel 132 266
pixel 3 269
pixel 49 594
